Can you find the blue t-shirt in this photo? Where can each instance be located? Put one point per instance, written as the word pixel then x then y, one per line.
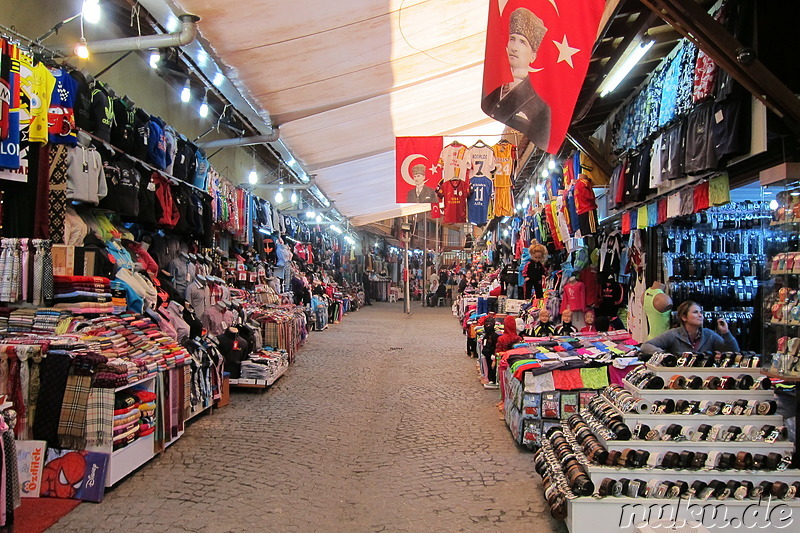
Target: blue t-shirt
pixel 480 192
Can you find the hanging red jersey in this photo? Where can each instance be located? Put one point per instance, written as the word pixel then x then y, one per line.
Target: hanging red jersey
pixel 454 192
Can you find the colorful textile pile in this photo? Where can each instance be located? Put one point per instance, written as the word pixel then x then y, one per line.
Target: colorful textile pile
pixel 82 294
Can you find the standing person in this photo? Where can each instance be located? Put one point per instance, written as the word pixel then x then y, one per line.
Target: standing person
pixel 365 281
pixel 433 288
pixel 510 279
pixel 691 336
pixel 490 337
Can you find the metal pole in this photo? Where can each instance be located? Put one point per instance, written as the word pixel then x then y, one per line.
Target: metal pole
pixel 407 299
pixel 425 260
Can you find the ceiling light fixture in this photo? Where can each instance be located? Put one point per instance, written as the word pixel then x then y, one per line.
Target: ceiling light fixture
pixel 545 173
pixel 81 49
pixel 204 106
pixel 155 58
pixel 279 196
pixel 294 197
pixel 617 75
pixel 552 164
pixel 91 11
pixel 310 214
pixel 252 178
pixel 186 92
pixel 218 79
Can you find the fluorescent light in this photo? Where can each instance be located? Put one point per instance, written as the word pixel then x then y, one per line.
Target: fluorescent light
pixel 91 11
pixel 349 239
pixel 252 178
pixel 186 92
pixel 81 50
pixel 155 58
pixel 218 79
pixel 611 82
pixel 337 229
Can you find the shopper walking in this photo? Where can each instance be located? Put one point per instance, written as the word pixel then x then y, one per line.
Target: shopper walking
pixel 490 337
pixel 365 281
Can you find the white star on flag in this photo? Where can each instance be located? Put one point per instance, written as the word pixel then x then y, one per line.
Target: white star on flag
pixel 434 169
pixel 565 51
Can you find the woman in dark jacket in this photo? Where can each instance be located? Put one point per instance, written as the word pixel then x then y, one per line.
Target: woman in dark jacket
pixel 691 336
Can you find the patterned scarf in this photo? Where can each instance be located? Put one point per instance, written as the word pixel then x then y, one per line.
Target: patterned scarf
pixel 33 388
pixel 99 415
pixel 57 207
pixel 72 422
pixel 53 374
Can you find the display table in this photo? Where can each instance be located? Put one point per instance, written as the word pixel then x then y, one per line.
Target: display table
pixel 790 379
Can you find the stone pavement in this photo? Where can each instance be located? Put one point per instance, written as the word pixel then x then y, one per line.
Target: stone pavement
pixel 380 425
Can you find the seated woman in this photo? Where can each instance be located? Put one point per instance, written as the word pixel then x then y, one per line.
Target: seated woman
pixel 691 336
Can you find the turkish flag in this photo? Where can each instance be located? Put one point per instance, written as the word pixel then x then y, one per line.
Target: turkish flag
pixel 537 54
pixel 416 171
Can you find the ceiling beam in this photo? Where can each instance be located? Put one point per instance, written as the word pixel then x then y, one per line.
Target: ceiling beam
pixel 694 23
pixel 585 145
pixel 633 36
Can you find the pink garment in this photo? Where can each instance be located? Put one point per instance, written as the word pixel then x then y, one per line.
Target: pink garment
pixel 615 374
pixel 574 297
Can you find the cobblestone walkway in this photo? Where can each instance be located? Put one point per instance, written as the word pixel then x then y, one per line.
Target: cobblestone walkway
pixel 380 425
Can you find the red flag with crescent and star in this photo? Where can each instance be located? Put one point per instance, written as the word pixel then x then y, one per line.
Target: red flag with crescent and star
pixel 415 169
pixel 537 54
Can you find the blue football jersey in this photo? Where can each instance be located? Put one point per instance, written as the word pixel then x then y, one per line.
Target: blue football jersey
pixel 480 193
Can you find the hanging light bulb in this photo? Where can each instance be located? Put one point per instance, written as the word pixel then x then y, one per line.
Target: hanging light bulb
pixel 310 214
pixel 774 204
pixel 155 58
pixel 531 191
pixel 545 173
pixel 319 219
pixel 218 79
pixel 81 49
pixel 91 11
pixel 552 164
pixel 186 92
pixel 204 106
pixel 279 196
pixel 294 197
pixel 252 178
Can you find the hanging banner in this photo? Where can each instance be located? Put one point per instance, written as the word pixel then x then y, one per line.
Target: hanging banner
pixel 416 171
pixel 537 54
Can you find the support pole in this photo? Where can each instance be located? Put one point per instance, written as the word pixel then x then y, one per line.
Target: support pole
pixel 425 259
pixel 407 281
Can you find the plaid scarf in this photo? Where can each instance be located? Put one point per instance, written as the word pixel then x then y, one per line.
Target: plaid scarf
pixel 53 374
pixel 72 422
pixel 99 414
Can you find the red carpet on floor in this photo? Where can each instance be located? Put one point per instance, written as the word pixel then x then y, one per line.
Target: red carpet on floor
pixel 37 514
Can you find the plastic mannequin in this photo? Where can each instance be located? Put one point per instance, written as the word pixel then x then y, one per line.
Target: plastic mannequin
pixel 657 307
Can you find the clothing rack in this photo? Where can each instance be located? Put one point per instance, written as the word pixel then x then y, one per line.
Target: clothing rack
pixel 148 166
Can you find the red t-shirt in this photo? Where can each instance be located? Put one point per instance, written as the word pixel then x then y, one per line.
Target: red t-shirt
pixel 584 195
pixel 455 194
pixel 701 197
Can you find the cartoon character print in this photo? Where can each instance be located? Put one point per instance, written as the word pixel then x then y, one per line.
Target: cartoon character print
pixel 63 477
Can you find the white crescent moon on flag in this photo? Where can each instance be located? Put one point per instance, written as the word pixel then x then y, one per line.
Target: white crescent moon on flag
pixel 555 7
pixel 502 5
pixel 404 167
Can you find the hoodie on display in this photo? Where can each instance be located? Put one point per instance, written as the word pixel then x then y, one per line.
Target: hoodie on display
pixel 509 337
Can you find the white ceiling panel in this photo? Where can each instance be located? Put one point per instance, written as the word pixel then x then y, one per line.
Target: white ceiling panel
pixel 343 79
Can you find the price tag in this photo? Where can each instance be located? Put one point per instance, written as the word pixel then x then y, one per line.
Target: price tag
pixel 252 277
pixel 242 276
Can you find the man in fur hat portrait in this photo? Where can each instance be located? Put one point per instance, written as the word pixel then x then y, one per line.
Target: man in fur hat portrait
pixel 517 104
pixel 421 193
